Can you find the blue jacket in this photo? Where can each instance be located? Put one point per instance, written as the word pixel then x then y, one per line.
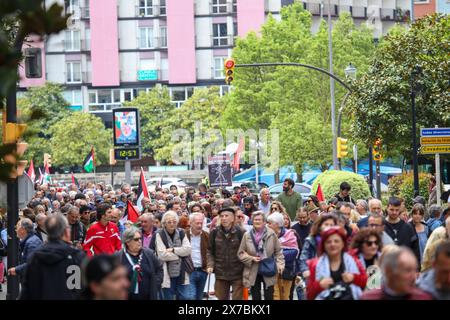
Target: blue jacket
pixel 27 247
pixel 309 251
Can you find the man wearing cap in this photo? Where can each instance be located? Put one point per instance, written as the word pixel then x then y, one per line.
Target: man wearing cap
pixel 222 256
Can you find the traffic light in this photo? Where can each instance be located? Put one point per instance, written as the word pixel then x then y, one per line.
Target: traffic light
pixel 47 160
pixel 112 158
pixel 377 150
pixel 342 147
pixel 12 133
pixel 33 63
pixel 229 70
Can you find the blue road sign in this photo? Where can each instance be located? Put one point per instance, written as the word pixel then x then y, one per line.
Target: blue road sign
pixel 435 132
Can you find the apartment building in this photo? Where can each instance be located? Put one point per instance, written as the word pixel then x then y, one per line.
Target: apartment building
pixel 115 49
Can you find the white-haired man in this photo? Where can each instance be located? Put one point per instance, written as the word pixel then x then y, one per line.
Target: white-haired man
pixel 264 202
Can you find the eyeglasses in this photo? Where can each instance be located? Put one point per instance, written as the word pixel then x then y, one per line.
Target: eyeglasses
pixel 137 239
pixel 153 211
pixel 371 243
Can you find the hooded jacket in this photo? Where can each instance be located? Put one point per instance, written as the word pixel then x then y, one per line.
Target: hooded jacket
pixel 53 273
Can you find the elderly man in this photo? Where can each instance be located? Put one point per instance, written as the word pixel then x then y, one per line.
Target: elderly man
pixel 437 280
pixel 148 228
pixel 29 243
pixel 362 207
pixel 375 206
pixel 126 188
pixel 116 216
pixel 77 229
pixel 399 269
pixel 264 202
pixel 199 244
pixel 40 229
pixel 435 214
pixel 376 222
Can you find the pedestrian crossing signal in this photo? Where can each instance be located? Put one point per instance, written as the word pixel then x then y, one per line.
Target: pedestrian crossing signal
pixel 229 70
pixel 342 147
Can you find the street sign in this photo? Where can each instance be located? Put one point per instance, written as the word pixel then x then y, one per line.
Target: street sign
pixel 147 75
pixel 435 149
pixel 434 141
pixel 219 170
pixel 435 132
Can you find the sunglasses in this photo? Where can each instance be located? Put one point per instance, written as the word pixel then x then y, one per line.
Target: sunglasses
pixel 137 239
pixel 371 243
pixel 153 211
pixel 274 208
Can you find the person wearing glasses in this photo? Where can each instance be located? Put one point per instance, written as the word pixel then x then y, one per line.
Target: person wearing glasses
pixel 145 271
pixel 376 221
pixel 277 207
pixel 367 246
pixel 172 246
pixel 148 229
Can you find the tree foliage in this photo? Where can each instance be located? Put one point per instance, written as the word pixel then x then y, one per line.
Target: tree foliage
pixel 41 108
pixel 381 103
pixel 154 107
pixel 331 180
pixel 73 137
pixel 295 100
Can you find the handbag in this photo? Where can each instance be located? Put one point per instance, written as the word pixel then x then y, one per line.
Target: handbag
pixel 267 267
pixel 188 264
pixel 340 291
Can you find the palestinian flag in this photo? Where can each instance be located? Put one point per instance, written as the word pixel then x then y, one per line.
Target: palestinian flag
pixel 89 161
pixel 47 177
pixel 131 213
pixel 142 191
pixel 75 181
pixel 31 172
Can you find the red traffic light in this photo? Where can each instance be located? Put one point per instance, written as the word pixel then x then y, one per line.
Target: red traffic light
pixel 229 63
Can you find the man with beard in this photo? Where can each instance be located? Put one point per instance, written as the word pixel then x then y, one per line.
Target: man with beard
pixel 290 199
pixel 249 206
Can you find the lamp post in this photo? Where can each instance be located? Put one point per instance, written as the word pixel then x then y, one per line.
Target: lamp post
pixel 414 88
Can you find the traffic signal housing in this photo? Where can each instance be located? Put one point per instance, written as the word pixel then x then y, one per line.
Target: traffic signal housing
pixel 377 146
pixel 229 70
pixel 12 135
pixel 342 147
pixel 47 160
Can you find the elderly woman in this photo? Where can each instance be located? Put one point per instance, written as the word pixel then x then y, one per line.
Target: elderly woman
pixel 257 244
pixel 145 270
pixel 172 247
pixel 289 244
pixel 367 245
pixel 335 270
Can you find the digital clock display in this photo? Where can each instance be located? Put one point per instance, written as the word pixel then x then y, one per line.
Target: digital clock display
pixel 127 154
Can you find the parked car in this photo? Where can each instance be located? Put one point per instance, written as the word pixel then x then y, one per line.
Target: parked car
pixel 302 188
pixel 165 183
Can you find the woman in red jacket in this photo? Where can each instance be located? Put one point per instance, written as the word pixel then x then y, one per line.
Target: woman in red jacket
pixel 335 274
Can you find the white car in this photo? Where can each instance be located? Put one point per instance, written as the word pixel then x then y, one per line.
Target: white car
pixel 166 183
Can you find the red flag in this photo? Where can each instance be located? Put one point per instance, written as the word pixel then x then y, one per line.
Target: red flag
pixel 31 172
pixel 74 180
pixel 132 214
pixel 142 191
pixel 237 155
pixel 319 193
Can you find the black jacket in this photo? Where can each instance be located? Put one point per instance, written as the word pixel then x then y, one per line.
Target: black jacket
pixel 344 199
pixel 53 273
pixel 406 236
pixel 152 275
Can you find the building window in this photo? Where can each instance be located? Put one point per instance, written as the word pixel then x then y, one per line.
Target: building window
pixel 145 8
pixel 104 100
pixel 71 6
pixel 162 7
pixel 74 98
pixel 218 67
pixel 234 5
pixel 72 41
pixel 164 69
pixel 73 72
pixel 220 37
pixel 145 38
pixel 219 6
pixel 163 37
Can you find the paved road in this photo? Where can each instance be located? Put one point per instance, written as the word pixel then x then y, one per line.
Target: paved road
pixel 3 293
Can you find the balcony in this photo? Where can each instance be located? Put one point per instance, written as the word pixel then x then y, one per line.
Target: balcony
pixel 223 41
pixel 222 8
pixel 75 46
pixel 156 43
pixel 84 13
pixel 76 78
pixel 359 12
pixel 153 11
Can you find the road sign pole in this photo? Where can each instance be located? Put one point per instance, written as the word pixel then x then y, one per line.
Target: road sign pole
pixel 128 171
pixel 378 180
pixel 438 178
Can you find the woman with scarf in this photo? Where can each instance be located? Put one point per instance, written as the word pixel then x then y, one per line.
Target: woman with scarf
pixel 257 244
pixel 335 274
pixel 366 246
pixel 172 246
pixel 289 245
pixel 309 249
pixel 145 271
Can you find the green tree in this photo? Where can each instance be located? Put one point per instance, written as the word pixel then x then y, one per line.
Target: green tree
pixel 295 100
pixel 49 103
pixel 202 111
pixel 154 107
pixel 73 137
pixel 381 103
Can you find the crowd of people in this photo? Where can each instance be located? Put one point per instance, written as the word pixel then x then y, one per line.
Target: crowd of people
pixel 197 243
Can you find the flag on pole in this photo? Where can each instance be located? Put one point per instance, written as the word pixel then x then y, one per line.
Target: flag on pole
pixel 75 181
pixel 142 191
pixel 131 213
pixel 41 176
pixel 319 193
pixel 47 177
pixel 237 155
pixel 89 161
pixel 31 172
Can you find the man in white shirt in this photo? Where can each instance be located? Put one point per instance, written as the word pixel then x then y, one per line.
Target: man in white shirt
pixel 264 202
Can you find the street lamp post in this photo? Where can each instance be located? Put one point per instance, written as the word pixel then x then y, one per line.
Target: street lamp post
pixel 414 87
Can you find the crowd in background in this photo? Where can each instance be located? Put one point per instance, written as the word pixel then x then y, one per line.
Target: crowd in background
pixel 198 243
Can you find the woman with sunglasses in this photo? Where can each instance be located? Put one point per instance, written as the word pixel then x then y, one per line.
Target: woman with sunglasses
pixel 145 271
pixel 366 246
pixel 277 207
